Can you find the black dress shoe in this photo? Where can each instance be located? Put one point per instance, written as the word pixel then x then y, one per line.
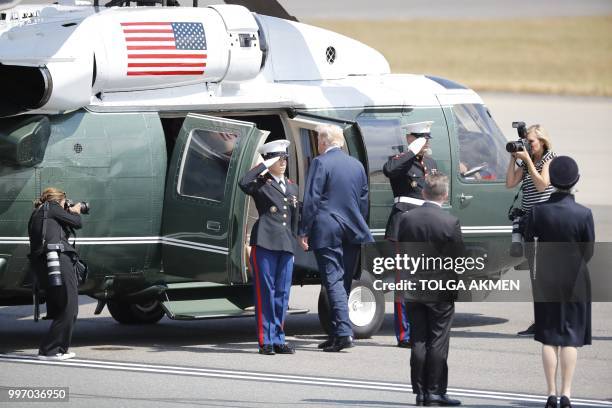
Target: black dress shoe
pixel 565 402
pixel 339 343
pixel 404 344
pixel 530 331
pixel 551 402
pixel 266 349
pixel 433 400
pixel 326 343
pixel 420 400
pixel 284 349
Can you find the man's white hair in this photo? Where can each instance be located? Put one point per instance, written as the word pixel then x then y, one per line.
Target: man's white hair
pixel 331 135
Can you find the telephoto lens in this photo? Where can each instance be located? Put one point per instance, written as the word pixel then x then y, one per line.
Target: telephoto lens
pixel 516 248
pixel 53 269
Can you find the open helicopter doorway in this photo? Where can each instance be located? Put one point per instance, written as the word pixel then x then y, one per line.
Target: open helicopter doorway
pixel 300 131
pixel 274 124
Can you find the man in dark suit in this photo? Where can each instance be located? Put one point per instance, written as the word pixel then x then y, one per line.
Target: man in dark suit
pixel 334 225
pixel 406 172
pixel 430 322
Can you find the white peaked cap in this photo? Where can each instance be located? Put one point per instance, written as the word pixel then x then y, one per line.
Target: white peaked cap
pixel 419 127
pixel 277 146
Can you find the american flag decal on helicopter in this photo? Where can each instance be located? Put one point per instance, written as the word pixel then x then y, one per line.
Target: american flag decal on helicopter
pixel 164 48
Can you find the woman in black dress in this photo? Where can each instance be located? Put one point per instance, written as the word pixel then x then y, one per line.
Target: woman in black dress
pixel 563 319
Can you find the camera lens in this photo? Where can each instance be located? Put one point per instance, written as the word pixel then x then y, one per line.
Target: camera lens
pixel 53 269
pixel 513 147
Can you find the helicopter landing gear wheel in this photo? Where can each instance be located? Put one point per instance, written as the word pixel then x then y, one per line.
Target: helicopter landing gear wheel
pixel 146 312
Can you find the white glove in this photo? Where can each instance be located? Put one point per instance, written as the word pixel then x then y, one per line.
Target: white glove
pixel 268 163
pixel 416 146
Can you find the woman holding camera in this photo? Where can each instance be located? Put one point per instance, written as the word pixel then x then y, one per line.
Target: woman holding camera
pixel 532 171
pixel 52 257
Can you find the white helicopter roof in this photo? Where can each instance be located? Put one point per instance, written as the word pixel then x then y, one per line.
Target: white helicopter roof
pixel 218 57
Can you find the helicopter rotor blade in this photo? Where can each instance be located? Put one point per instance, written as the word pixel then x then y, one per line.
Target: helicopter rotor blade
pixel 7 4
pixel 266 7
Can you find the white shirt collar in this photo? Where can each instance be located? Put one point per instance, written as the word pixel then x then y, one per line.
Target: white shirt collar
pixel 330 148
pixel 436 203
pixel 278 179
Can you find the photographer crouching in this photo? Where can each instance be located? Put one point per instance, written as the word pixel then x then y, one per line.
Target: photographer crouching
pixel 531 157
pixel 53 260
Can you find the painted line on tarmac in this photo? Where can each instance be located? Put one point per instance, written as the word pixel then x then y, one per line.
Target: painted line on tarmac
pixel 285 378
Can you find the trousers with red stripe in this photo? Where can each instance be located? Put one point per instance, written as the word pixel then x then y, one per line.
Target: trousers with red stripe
pixel 272 273
pixel 401 323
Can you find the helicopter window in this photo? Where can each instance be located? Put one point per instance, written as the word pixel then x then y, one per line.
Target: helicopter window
pixel 206 163
pixel 380 133
pixel 482 155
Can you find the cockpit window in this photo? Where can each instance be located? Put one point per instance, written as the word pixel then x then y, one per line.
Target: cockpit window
pixel 205 164
pixel 482 154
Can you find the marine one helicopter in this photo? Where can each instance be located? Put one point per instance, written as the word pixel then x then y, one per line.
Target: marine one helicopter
pixel 151 114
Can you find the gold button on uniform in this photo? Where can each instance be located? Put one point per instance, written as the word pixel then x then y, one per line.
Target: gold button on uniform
pixel 284 223
pixel 273 209
pixel 284 215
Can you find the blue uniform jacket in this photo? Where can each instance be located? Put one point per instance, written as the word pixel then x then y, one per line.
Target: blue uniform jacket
pixel 335 201
pixel 278 211
pixel 407 175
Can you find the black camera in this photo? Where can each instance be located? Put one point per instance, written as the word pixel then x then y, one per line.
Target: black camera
pixel 516 248
pixel 84 205
pixel 522 143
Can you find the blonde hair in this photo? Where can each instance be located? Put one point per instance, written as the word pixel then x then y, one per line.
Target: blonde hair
pixel 50 194
pixel 542 136
pixel 330 134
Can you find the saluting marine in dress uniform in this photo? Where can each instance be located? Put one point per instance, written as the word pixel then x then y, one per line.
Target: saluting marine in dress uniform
pixel 272 244
pixel 406 172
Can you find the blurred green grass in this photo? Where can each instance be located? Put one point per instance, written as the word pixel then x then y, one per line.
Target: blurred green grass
pixel 554 55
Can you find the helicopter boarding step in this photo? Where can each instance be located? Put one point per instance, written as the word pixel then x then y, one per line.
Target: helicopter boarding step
pixel 211 308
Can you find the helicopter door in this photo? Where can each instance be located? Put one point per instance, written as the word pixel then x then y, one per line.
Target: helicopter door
pixel 199 224
pixel 302 126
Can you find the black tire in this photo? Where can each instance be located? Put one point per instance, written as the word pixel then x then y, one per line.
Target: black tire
pixel 136 313
pixel 366 308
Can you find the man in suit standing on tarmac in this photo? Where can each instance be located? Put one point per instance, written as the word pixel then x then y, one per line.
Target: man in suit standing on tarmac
pixel 430 322
pixel 406 172
pixel 334 226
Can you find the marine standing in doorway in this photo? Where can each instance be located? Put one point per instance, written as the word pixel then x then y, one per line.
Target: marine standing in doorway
pixel 406 172
pixel 273 240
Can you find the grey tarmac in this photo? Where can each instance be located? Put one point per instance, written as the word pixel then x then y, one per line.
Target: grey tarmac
pixel 215 363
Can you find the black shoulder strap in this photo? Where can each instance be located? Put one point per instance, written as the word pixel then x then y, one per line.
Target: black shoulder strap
pixel 516 197
pixel 73 233
pixel 45 210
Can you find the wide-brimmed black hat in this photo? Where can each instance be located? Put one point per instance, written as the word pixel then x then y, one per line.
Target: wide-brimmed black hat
pixel 563 172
